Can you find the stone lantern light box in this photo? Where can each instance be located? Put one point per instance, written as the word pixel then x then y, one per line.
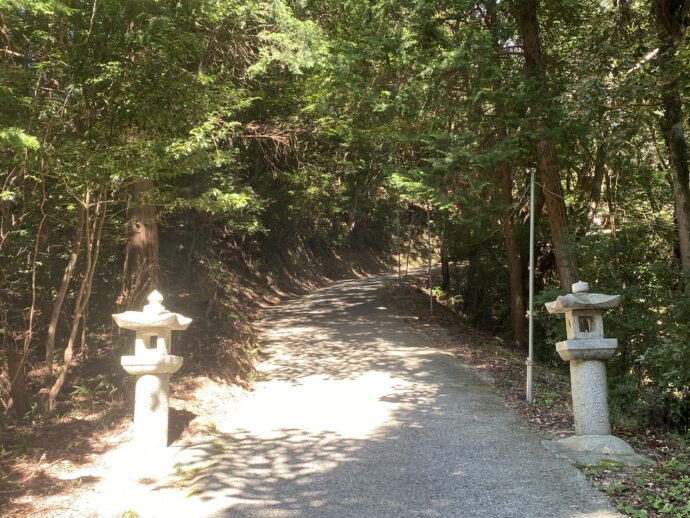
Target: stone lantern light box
pixel 152 364
pixel 584 324
pixel 586 349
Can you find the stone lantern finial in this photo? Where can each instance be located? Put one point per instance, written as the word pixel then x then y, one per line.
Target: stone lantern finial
pixel 580 287
pixel 155 305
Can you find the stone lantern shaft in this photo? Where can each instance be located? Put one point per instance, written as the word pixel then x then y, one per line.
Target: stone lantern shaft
pixel 590 397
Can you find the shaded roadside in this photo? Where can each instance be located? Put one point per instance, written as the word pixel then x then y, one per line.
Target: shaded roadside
pixel 654 491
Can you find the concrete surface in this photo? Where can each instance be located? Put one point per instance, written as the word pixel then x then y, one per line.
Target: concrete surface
pixel 593 449
pixel 356 415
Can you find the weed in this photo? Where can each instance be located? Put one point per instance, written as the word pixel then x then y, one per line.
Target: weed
pixel 631 511
pixel 660 490
pixel 85 395
pixel 186 474
pixel 600 468
pixel 33 415
pixel 616 487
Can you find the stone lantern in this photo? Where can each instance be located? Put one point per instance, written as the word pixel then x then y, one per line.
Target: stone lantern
pixel 152 364
pixel 586 349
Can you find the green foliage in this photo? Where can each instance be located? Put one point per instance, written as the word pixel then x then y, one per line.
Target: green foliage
pixel 663 490
pixel 14 138
pixel 667 363
pixel 222 104
pixel 293 44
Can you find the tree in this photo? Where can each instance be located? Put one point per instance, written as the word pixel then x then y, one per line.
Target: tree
pixel 672 18
pixel 141 266
pixel 546 155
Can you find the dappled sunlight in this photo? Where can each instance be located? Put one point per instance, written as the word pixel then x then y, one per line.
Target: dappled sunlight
pixel 333 386
pixel 291 331
pixel 351 408
pixel 125 478
pixel 349 418
pixel 352 415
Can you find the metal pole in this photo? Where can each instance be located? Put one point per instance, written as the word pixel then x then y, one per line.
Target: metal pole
pixel 428 231
pixel 530 357
pixel 399 242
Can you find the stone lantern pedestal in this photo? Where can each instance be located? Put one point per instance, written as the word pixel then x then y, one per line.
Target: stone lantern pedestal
pixel 152 364
pixel 586 349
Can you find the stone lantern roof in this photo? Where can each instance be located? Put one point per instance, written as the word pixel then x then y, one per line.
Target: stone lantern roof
pixel 154 315
pixel 581 299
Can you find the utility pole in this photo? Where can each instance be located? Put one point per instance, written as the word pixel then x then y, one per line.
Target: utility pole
pixel 399 242
pixel 530 357
pixel 428 232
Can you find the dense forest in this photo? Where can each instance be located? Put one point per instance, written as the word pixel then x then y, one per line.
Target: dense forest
pixel 162 143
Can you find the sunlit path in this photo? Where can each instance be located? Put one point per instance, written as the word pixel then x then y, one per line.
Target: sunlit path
pixel 354 415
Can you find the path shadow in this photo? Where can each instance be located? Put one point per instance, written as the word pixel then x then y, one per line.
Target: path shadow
pixel 178 421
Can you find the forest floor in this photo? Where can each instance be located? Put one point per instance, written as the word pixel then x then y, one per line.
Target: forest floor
pixel 49 465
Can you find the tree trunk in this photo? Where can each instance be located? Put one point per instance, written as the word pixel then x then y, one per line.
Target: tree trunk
pixel 352 219
pixel 528 27
pixel 517 303
pixel 445 267
pixel 505 182
pixel 62 291
pixel 610 201
pixel 141 269
pixel 92 234
pixel 555 211
pixel 678 154
pixel 19 405
pixel 672 21
pixel 473 293
pixel 593 188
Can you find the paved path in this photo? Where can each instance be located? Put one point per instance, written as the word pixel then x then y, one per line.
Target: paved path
pixel 356 416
